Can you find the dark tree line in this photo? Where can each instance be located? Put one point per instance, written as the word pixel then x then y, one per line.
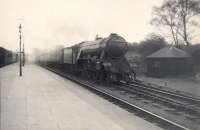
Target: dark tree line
pixel 152 43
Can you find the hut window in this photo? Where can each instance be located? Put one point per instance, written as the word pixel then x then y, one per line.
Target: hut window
pixel 156 64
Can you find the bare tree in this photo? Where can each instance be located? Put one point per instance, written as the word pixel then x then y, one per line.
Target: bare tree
pixel 178 15
pixel 187 10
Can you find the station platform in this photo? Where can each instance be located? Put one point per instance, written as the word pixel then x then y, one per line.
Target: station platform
pixel 42 100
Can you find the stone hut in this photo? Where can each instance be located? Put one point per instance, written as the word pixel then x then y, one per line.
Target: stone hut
pixel 168 61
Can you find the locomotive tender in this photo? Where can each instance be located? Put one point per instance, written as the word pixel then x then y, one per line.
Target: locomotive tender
pixel 101 59
pixel 7 57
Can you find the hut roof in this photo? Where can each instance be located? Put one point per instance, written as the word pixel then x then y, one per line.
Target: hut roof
pixel 169 52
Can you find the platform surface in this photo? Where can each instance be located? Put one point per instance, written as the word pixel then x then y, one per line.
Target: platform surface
pixel 42 100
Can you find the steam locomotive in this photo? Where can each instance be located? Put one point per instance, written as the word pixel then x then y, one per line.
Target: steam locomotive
pixel 7 57
pixel 102 59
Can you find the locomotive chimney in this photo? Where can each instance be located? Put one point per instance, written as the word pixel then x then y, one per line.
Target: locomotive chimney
pixel 97 37
pixel 113 34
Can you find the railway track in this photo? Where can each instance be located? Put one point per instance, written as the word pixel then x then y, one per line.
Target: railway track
pixel 181 103
pixel 168 93
pixel 161 121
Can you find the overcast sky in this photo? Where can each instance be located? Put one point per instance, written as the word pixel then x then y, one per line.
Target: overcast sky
pixel 47 23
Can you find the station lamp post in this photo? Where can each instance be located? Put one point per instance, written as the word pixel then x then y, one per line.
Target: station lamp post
pixel 20 61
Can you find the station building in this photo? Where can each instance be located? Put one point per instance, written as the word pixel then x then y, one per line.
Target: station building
pixel 168 61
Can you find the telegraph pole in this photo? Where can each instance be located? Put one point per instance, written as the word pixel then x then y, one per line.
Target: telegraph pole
pixel 20 42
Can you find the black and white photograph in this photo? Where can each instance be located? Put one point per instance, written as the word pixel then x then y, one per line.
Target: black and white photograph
pixel 99 64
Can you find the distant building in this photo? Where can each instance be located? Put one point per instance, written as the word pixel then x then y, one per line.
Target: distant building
pixel 168 61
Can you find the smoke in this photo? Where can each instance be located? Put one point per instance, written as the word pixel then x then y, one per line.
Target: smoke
pixel 71 33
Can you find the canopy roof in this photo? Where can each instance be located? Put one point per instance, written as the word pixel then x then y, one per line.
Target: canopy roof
pixel 169 52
